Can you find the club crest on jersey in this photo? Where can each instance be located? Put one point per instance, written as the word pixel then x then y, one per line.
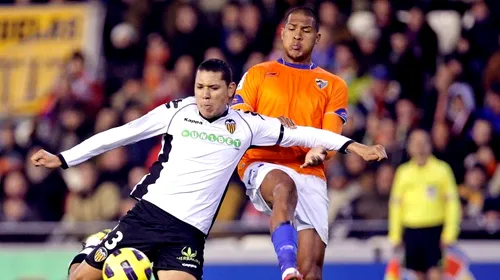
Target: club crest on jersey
pixel 101 254
pixel 321 83
pixel 231 125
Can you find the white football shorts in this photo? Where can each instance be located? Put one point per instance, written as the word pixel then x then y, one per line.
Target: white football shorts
pixel 312 204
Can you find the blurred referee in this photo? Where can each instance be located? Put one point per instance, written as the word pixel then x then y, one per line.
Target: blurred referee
pixel 424 210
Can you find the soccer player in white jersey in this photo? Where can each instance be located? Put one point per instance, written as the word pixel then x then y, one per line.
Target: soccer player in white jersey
pixel 180 197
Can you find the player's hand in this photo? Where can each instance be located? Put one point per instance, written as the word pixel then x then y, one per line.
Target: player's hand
pixel 315 156
pixel 44 158
pixel 286 122
pixel 368 153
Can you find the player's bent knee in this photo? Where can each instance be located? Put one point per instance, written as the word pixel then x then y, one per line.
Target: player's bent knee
pixel 277 186
pixel 174 275
pixel 72 269
pixel 283 184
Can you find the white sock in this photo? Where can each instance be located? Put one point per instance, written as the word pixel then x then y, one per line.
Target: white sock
pixel 288 271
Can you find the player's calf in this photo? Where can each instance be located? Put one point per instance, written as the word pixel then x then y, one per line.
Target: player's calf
pixel 311 254
pixel 279 190
pixel 87 246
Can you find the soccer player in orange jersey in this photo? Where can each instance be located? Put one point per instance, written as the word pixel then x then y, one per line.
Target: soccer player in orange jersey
pixel 295 197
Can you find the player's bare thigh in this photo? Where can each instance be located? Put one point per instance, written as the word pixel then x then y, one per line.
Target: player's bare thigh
pixel 174 275
pixel 310 254
pixel 85 272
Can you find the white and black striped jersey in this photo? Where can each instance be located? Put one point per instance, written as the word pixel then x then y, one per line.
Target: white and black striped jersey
pixel 193 169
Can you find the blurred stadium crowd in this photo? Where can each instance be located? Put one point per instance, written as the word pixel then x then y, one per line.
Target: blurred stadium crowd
pixel 408 64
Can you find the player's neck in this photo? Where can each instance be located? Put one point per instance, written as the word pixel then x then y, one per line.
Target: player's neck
pixel 306 61
pixel 306 64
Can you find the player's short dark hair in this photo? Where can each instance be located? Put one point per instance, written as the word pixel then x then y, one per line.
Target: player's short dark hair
pixel 304 10
pixel 217 65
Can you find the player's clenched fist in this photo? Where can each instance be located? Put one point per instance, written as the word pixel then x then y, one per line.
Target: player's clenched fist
pixel 368 153
pixel 44 158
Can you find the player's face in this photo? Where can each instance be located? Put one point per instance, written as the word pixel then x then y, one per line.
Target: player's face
pixel 299 37
pixel 212 93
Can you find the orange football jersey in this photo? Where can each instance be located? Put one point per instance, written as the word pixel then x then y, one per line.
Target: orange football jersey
pixel 307 94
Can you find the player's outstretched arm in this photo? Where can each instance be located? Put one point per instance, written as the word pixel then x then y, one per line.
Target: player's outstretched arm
pixel 311 137
pixel 152 124
pixel 270 131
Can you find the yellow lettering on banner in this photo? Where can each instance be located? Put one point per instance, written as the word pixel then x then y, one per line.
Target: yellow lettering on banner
pixel 35 41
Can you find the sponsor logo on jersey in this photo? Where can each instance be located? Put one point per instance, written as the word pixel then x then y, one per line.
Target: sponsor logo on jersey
pixel 321 83
pixel 101 254
pixel 192 121
pixel 237 99
pixel 431 191
pixel 211 137
pixel 230 125
pixel 188 255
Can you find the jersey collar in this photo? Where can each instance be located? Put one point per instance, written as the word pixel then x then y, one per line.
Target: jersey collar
pixel 297 66
pixel 211 120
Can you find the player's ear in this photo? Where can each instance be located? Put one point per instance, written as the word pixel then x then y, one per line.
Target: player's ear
pixel 231 88
pixel 282 31
pixel 318 37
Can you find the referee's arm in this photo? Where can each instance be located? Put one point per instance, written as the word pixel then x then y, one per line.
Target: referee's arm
pixel 395 209
pixel 453 210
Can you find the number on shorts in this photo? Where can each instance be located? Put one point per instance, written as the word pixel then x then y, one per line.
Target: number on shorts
pixel 111 244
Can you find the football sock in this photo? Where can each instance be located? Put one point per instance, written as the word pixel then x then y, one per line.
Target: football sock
pixel 284 239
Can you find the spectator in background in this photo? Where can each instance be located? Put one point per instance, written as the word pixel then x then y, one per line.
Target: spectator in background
pixel 380 97
pixel 11 154
pixel 372 203
pixel 323 53
pixel 84 87
pixel 484 33
pixel 472 191
pixel 47 190
pixel 88 201
pixel 424 210
pixel 461 109
pixel 491 109
pixel 135 175
pixel 422 39
pixel 333 20
pixel 14 205
pixel 386 22
pixel 229 17
pixel 406 67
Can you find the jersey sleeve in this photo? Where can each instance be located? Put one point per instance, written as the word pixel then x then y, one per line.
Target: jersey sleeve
pixel 336 106
pixel 268 131
pixel 395 216
pixel 452 209
pixel 153 123
pixel 247 91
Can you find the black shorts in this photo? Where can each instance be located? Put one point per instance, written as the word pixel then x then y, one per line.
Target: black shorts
pixel 169 243
pixel 422 248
